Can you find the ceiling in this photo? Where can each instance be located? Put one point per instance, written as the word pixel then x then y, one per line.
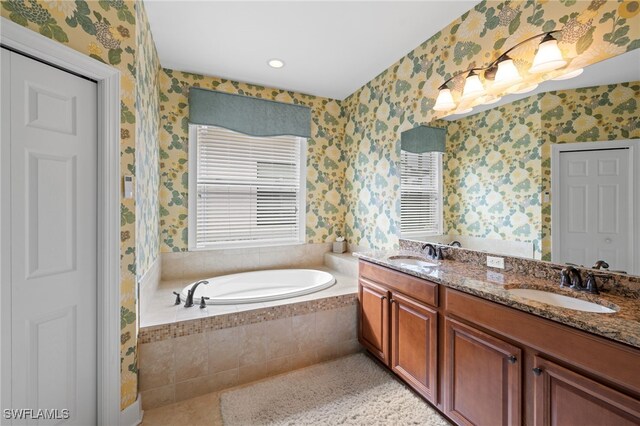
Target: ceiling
pixel 619 69
pixel 330 48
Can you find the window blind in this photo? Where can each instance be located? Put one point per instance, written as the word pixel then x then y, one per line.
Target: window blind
pixel 420 198
pixel 248 188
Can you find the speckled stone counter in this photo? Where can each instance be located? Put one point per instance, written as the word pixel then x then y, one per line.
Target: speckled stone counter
pixel 622 326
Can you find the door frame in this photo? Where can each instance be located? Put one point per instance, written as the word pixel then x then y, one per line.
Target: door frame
pixel 25 41
pixel 634 203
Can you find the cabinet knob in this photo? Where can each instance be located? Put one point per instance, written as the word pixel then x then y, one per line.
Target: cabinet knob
pixel 392 301
pixel 384 298
pixel 537 371
pixel 512 359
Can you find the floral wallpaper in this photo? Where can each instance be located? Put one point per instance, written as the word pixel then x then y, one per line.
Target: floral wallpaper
pixel 402 96
pixel 491 172
pixel 147 150
pixel 325 158
pixel 106 31
pixel 591 114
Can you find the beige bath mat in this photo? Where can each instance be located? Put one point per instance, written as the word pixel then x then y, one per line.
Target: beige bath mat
pixel 349 391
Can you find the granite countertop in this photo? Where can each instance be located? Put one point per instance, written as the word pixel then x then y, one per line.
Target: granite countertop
pixel 622 326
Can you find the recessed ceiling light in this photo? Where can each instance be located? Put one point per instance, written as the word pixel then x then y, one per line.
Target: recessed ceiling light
pixel 276 63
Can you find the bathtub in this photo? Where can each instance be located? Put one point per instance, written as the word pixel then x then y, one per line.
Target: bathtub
pixel 261 286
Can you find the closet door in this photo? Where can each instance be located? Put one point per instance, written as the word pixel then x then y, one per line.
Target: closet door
pixel 49 212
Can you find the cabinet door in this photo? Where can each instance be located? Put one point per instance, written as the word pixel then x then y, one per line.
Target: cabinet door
pixel 564 397
pixel 373 329
pixel 414 344
pixel 481 378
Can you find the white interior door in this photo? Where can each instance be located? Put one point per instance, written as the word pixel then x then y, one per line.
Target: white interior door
pixel 595 218
pixel 51 123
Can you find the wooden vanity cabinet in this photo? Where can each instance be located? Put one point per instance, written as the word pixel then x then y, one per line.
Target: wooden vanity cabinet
pixel 373 326
pixel 494 365
pixel 565 397
pixel 414 344
pixel 481 377
pixel 410 332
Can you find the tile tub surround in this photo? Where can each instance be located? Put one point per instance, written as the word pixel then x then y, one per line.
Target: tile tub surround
pixel 622 326
pixel 245 347
pixel 210 263
pixel 615 284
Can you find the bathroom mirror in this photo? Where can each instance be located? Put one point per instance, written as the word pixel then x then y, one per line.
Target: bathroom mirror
pixel 566 153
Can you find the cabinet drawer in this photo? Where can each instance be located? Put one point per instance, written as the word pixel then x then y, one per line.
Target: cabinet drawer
pixel 419 289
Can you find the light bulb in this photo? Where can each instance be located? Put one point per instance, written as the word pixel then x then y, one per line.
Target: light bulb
pixel 507 74
pixel 569 75
pixel 548 57
pixel 444 102
pixel 472 86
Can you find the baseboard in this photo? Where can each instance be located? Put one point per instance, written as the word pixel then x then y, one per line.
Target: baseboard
pixel 132 415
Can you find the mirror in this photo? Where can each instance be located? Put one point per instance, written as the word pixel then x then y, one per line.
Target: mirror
pixel 552 174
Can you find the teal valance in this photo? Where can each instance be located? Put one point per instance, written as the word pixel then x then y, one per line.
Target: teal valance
pixel 251 116
pixel 423 139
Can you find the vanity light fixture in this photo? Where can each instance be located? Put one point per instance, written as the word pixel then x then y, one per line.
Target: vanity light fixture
pixel 487 84
pixel 569 75
pixel 507 73
pixel 444 102
pixel 548 57
pixel 473 87
pixel 276 63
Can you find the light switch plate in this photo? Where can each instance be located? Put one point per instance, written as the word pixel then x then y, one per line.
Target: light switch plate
pixel 495 262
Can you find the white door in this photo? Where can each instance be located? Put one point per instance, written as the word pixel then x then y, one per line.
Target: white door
pixel 50 135
pixel 595 221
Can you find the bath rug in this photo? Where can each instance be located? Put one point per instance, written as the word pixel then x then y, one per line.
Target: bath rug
pixel 349 391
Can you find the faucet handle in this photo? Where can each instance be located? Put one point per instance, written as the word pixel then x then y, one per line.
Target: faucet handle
pixel 203 304
pixel 178 301
pixel 590 285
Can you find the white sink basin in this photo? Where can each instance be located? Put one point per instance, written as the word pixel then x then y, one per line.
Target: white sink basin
pixel 410 262
pixel 560 300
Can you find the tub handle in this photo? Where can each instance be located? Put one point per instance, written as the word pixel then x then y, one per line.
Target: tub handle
pixel 203 304
pixel 178 301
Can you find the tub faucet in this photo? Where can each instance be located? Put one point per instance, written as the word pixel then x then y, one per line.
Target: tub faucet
pixel 189 301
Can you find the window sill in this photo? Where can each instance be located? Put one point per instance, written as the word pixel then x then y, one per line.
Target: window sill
pixel 247 245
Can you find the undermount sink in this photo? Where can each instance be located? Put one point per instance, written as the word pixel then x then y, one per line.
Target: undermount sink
pixel 560 300
pixel 411 262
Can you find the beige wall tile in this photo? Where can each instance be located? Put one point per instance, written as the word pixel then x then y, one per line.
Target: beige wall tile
pixel 252 344
pixel 303 328
pixel 158 397
pixel 279 338
pixel 278 365
pixel 252 372
pixel 191 356
pixel 224 349
pixel 346 323
pixel 224 379
pixel 192 388
pixel 327 326
pixel 156 364
pixel 303 359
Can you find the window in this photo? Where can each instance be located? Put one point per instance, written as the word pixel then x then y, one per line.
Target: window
pixel 245 191
pixel 420 193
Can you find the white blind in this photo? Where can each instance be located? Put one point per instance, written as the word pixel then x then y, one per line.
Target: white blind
pixel 420 206
pixel 248 188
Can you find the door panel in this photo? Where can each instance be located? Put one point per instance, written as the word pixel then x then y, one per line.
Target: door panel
pixel 594 218
pixel 482 377
pixel 565 398
pixel 52 197
pixel 373 330
pixel 414 344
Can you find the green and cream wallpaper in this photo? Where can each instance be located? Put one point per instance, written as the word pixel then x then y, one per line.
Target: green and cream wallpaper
pixel 491 174
pixel 106 30
pixel 325 159
pixel 402 96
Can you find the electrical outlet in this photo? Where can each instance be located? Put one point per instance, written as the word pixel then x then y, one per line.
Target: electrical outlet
pixel 495 262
